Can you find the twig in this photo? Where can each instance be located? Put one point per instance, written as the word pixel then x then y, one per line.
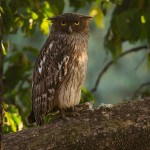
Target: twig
pixel 112 62
pixel 138 65
pixel 139 88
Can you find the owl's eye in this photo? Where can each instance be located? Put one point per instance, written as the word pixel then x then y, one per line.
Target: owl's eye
pixel 63 23
pixel 77 23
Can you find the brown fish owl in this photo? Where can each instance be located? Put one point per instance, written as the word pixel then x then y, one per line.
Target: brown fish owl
pixel 60 69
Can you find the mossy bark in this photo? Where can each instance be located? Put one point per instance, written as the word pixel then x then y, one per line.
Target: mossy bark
pixel 1 77
pixel 125 126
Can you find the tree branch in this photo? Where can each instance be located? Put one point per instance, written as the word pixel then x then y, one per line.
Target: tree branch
pixel 112 62
pixel 124 126
pixel 139 88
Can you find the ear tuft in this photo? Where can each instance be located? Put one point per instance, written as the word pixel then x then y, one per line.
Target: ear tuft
pixel 86 17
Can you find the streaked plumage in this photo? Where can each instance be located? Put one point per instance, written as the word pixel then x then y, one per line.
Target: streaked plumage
pixel 60 69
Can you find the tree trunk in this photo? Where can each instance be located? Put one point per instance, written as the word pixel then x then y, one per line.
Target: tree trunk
pixel 125 126
pixel 1 75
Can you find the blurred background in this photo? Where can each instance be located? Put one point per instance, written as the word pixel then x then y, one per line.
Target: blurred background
pixel 119 51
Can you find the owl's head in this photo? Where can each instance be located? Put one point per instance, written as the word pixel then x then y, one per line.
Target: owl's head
pixel 70 23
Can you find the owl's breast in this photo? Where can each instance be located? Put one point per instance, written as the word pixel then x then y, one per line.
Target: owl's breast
pixel 82 57
pixel 79 60
pixel 69 93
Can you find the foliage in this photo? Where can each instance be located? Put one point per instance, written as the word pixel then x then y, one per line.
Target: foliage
pixel 11 119
pixel 130 22
pixel 87 96
pixel 25 15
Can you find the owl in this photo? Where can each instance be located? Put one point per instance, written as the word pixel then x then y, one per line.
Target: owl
pixel 61 66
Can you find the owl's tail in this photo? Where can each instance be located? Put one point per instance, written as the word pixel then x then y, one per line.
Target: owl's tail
pixel 31 118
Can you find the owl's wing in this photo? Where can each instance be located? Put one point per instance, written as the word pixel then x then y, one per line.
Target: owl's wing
pixel 49 71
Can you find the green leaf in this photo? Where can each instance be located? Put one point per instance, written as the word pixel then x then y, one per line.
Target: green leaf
pixel 143 20
pixel 4 50
pixel 44 27
pixel 1 10
pixel 87 96
pixel 57 6
pixel 98 16
pixel 125 25
pixel 34 15
pixel 113 43
pixel 11 119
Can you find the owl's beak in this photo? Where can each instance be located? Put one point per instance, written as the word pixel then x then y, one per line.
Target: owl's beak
pixel 70 29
